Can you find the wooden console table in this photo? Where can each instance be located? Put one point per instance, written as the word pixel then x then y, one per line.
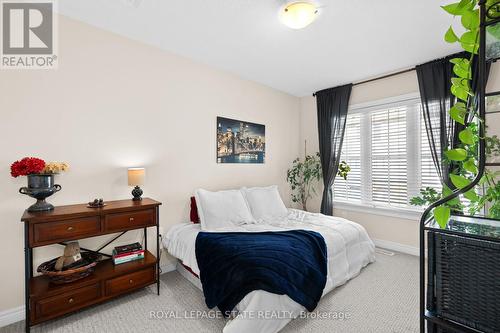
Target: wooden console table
pixel 44 300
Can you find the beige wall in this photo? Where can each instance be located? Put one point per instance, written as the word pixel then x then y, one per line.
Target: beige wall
pixel 380 227
pixel 115 103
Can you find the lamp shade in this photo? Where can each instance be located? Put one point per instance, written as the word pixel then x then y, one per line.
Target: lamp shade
pixel 298 14
pixel 136 176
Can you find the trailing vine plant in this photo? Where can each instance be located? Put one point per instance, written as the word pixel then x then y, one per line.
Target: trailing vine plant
pixel 464 156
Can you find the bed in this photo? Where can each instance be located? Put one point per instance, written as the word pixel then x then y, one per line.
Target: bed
pixel 349 249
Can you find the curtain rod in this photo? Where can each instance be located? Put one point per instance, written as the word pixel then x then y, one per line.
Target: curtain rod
pixel 381 77
pixel 397 73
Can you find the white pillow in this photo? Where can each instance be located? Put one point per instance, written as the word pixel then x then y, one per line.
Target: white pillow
pixel 222 209
pixel 265 203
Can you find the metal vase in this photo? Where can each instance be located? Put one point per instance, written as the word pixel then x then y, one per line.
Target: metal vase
pixel 40 186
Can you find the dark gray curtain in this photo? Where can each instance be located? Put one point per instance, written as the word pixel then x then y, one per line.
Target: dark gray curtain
pixel 434 80
pixel 332 106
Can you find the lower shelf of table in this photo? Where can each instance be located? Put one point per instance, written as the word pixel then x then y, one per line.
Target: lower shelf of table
pixel 49 301
pixel 447 324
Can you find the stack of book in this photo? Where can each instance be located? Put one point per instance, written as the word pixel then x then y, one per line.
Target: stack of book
pixel 126 253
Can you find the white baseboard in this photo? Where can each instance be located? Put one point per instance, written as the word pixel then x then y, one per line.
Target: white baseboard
pixel 393 246
pixel 11 316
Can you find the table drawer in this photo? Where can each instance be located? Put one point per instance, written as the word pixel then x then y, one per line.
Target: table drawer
pixel 130 220
pixel 130 281
pixel 52 232
pixel 67 302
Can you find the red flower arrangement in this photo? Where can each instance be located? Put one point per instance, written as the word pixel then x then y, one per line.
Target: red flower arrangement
pixel 27 166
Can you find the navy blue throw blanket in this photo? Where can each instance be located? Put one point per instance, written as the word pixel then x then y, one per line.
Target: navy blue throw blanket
pixel 232 264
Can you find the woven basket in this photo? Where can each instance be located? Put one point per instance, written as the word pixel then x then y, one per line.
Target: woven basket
pixel 466 272
pixel 71 274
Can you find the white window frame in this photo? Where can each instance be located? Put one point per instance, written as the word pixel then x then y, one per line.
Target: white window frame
pixel 413 126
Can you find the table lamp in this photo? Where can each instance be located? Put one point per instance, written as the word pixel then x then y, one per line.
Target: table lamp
pixel 136 178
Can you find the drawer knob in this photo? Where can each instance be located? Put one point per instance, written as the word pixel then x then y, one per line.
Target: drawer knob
pixel 70 228
pixel 131 219
pixel 130 281
pixel 71 300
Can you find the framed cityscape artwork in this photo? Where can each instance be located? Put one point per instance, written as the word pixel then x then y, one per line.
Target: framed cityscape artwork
pixel 240 141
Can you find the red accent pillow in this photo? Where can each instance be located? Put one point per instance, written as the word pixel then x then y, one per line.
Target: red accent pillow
pixel 194 211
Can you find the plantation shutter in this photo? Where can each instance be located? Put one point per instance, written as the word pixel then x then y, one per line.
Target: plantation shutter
pixel 389 156
pixel 429 176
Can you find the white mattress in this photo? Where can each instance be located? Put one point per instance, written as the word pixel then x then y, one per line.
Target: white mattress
pixel 349 250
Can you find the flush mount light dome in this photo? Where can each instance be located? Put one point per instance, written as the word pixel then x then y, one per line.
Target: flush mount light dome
pixel 298 14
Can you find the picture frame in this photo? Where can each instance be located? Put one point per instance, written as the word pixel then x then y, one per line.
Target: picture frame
pixel 240 142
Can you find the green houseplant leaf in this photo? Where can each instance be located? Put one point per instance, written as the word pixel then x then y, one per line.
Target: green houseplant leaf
pixel 458 8
pixel 460 92
pixel 446 192
pixel 461 62
pixel 471 195
pixel 470 41
pixel 458 154
pixel 470 165
pixel 462 72
pixel 461 82
pixel 467 136
pixel 470 19
pixel 442 215
pixel 459 181
pixel 450 36
pixel 458 112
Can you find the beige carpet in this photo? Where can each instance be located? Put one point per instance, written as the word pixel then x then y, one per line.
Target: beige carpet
pixel 383 298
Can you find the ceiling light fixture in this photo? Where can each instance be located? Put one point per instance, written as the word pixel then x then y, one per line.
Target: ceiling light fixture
pixel 298 14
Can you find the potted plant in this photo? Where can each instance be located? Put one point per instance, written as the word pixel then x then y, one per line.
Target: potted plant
pixel 40 177
pixel 304 175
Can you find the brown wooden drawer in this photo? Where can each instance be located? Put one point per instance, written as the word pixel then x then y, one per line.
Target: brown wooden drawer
pixel 51 232
pixel 67 302
pixel 130 220
pixel 130 281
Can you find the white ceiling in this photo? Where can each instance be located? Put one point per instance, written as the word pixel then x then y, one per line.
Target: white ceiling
pixel 350 41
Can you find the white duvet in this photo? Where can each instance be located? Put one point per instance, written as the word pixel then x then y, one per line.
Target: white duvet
pixel 349 250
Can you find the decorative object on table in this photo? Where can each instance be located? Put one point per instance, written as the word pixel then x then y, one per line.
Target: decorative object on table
pixel 136 178
pixel 71 273
pixel 240 141
pixel 305 174
pixel 97 203
pixel 71 255
pixel 127 253
pixel 40 180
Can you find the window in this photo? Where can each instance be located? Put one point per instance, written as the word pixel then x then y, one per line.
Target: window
pixel 429 174
pixel 387 149
pixel 350 190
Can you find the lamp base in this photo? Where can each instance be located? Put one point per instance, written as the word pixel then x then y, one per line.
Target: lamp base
pixel 137 193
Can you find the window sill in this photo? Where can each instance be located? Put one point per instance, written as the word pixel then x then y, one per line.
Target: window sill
pixel 404 213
